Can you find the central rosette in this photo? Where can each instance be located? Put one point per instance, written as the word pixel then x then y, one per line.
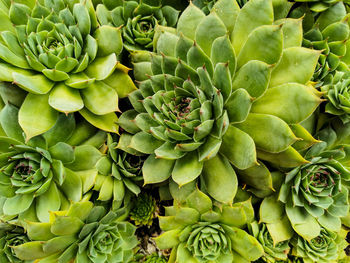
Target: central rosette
pixel 319 180
pixel 184 118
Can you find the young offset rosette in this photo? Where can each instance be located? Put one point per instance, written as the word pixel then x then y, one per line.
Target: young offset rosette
pixel 274 252
pixel 200 232
pixel 144 209
pixel 119 173
pixel 153 258
pixel 137 19
pixel 44 173
pixel 10 236
pixel 198 108
pixel 338 94
pixel 327 32
pixel 315 195
pixel 67 62
pixel 322 248
pixel 82 233
pixel 317 191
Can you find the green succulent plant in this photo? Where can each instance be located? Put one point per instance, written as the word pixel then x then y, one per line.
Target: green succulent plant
pixel 43 173
pixel 197 100
pixel 274 251
pixel 315 190
pixel 137 20
pixel 315 195
pixel 338 95
pixel 200 231
pixel 155 258
pixel 119 173
pixel 342 241
pixel 322 248
pixel 10 236
pixel 67 62
pixel 82 233
pixel 143 210
pixel 328 32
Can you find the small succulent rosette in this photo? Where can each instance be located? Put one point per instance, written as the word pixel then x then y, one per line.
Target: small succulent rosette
pixel 143 209
pixel 153 258
pixel 323 248
pixel 82 233
pixel 10 236
pixel 327 32
pixel 315 195
pixel 56 51
pixel 137 20
pixel 44 173
pixel 198 231
pixel 275 249
pixel 337 92
pixel 119 173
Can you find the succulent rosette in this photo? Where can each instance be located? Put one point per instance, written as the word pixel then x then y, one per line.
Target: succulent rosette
pixel 322 248
pixel 155 258
pixel 198 107
pixel 10 236
pixel 43 173
pixel 338 94
pixel 274 252
pixel 137 20
pixel 119 173
pixel 67 62
pixel 199 231
pixel 143 210
pixel 82 233
pixel 315 195
pixel 328 32
pixel 317 191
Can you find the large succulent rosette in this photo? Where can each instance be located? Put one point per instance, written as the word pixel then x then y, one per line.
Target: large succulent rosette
pixel 67 62
pixel 137 20
pixel 44 173
pixel 119 173
pixel 198 106
pixel 338 94
pixel 328 32
pixel 274 252
pixel 10 236
pixel 200 232
pixel 82 233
